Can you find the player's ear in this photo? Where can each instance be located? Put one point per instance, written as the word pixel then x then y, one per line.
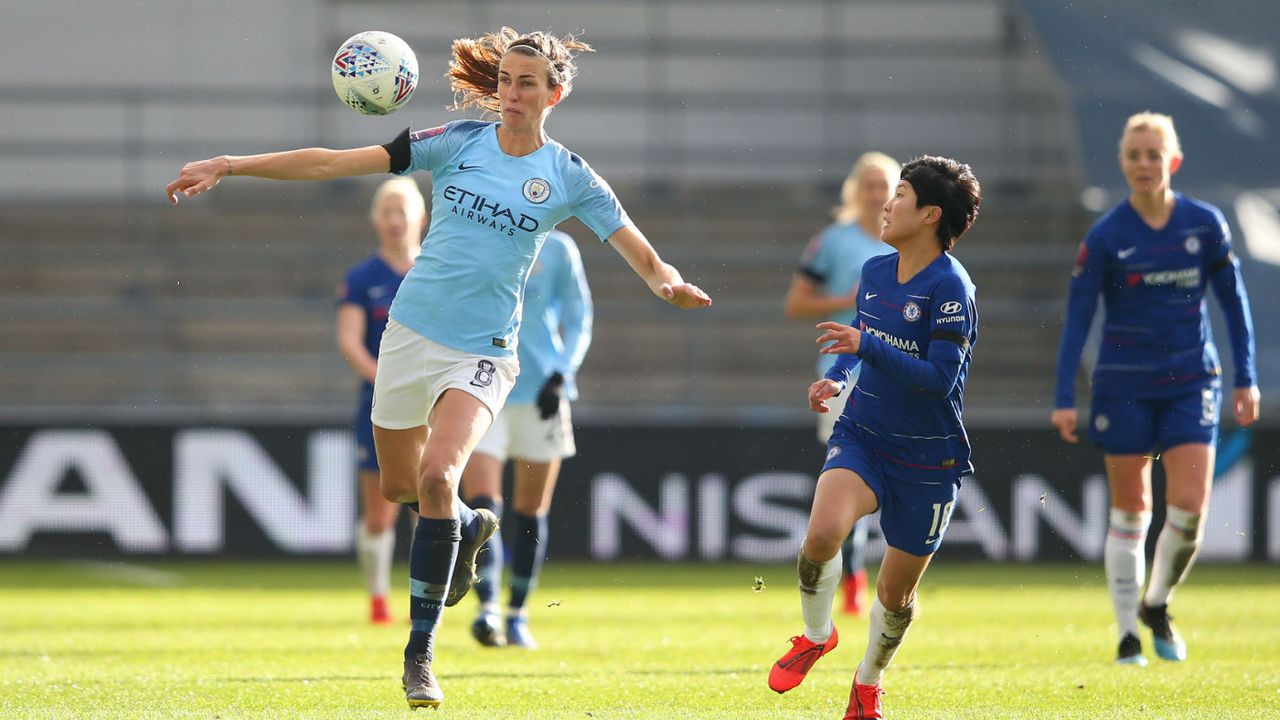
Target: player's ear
pixel 1174 163
pixel 557 94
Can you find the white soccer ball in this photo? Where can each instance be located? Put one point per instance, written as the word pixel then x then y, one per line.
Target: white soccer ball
pixel 375 72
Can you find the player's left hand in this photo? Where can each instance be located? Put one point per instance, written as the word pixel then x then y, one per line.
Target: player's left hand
pixel 844 340
pixel 820 392
pixel 549 396
pixel 685 295
pixel 1246 402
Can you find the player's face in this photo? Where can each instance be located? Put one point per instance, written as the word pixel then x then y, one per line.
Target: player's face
pixel 524 90
pixel 873 190
pixel 1146 161
pixel 902 219
pixel 394 219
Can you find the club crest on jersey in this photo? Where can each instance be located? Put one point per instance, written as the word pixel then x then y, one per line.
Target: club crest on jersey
pixel 833 452
pixel 536 190
pixel 911 311
pixel 1101 423
pixel 1192 244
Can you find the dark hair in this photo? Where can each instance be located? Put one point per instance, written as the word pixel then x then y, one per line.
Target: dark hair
pixel 952 187
pixel 473 71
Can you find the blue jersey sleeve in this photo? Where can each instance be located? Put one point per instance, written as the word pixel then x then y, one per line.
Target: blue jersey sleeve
pixel 428 149
pixel 1228 286
pixel 354 289
pixel 954 315
pixel 592 201
pixel 1087 276
pixel 576 309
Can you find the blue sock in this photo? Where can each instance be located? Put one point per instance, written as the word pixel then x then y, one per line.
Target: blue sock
pixel 435 549
pixel 489 561
pixel 467 518
pixel 528 548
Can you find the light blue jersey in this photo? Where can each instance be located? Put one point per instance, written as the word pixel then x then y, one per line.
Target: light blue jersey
pixel 556 331
pixel 490 213
pixel 833 260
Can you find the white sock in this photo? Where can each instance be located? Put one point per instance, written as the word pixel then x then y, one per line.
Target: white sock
pixel 1176 550
pixel 374 553
pixel 1125 560
pixel 818 583
pixel 883 639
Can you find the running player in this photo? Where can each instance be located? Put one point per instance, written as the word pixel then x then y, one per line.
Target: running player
pixel 399 216
pixel 1157 385
pixel 447 359
pixel 900 446
pixel 826 286
pixel 536 430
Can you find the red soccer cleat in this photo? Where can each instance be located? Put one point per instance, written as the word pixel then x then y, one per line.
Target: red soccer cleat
pixel 855 593
pixel 864 702
pixel 378 614
pixel 791 668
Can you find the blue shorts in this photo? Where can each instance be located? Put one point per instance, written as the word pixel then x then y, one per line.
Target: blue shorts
pixel 914 512
pixel 366 456
pixel 1137 426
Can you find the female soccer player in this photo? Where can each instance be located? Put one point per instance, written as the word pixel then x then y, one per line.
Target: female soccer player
pixel 1157 381
pixel 535 429
pixel 826 286
pixel 399 216
pixel 899 446
pixel 447 359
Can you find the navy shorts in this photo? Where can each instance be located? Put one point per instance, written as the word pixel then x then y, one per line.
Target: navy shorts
pixel 914 512
pixel 366 456
pixel 1137 426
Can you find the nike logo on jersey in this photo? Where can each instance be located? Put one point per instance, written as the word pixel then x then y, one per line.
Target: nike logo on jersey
pixel 1122 254
pixel 868 296
pixel 464 166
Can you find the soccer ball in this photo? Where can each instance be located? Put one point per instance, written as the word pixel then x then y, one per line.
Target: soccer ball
pixel 375 72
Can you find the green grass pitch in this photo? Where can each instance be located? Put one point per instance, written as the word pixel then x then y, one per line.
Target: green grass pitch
pixel 269 640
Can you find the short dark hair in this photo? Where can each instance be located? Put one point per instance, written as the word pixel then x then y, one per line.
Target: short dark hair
pixel 952 187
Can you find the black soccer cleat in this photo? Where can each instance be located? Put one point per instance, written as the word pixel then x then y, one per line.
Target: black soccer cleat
pixel 1169 644
pixel 420 686
pixel 488 630
pixel 464 570
pixel 1130 651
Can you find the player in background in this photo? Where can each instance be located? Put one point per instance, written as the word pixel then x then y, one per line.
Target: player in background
pixel 448 356
pixel 534 429
pixel 1157 384
pixel 899 446
pixel 826 286
pixel 399 217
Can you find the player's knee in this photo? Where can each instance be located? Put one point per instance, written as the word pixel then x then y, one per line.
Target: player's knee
pixel 897 600
pixel 821 542
pixel 438 483
pixel 396 492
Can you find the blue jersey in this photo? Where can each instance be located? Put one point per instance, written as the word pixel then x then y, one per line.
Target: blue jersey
pixel 556 330
pixel 834 259
pixel 917 340
pixel 371 286
pixel 490 213
pixel 1156 340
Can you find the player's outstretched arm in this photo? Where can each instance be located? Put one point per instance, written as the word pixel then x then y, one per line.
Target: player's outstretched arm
pixel 663 279
pixel 306 164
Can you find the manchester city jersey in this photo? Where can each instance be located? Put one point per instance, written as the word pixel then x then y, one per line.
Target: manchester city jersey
pixel 556 330
pixel 834 260
pixel 916 343
pixel 371 286
pixel 1156 338
pixel 490 213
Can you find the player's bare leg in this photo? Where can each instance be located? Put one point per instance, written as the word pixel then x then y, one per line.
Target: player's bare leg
pixel 1189 470
pixel 1124 552
pixel 840 498
pixel 891 615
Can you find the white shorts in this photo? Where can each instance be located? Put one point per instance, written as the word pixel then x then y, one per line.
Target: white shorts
pixel 413 372
pixel 520 432
pixel 827 421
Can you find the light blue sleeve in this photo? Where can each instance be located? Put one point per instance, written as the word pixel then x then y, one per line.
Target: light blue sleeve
pixel 432 147
pixel 576 310
pixel 816 262
pixel 592 201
